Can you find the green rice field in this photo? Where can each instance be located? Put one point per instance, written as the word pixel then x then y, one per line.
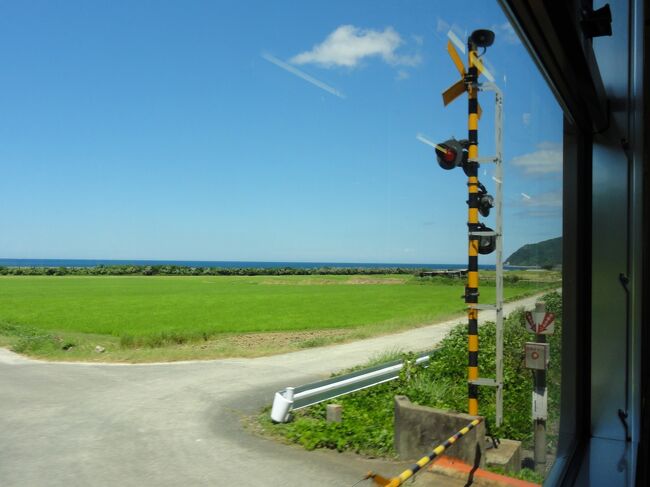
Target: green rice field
pixel 135 312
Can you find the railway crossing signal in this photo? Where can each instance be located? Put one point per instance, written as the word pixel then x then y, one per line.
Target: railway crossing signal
pixel 482 239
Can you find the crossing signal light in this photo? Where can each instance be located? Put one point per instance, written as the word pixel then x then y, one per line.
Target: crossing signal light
pixel 482 38
pixel 485 201
pixel 486 243
pixel 452 153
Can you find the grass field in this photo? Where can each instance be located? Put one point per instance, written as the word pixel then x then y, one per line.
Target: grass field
pixel 65 317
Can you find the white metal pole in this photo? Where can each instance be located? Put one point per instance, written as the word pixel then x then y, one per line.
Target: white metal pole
pixel 539 454
pixel 498 175
pixel 498 203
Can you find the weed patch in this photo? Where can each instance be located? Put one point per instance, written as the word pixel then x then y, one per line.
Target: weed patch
pixel 32 340
pixel 524 474
pixel 161 339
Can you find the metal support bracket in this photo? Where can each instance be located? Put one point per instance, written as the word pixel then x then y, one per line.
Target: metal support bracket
pixel 484 382
pixel 484 307
pixel 486 160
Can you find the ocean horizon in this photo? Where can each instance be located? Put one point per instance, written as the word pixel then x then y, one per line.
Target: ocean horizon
pixel 225 264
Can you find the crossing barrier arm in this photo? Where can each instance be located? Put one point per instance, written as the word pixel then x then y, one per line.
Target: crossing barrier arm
pixel 424 461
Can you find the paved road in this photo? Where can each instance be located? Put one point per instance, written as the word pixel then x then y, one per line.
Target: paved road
pixel 171 424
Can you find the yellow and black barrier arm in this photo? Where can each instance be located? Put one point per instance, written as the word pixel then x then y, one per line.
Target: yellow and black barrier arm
pixel 422 462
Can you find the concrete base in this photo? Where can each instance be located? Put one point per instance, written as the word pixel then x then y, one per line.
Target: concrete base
pixel 418 429
pixel 507 456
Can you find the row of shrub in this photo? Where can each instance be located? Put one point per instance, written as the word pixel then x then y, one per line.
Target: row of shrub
pixel 177 270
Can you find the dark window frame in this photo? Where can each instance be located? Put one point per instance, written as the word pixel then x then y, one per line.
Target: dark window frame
pixel 552 34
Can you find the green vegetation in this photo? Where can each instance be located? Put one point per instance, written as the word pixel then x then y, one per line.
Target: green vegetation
pixel 178 270
pixel 139 318
pixel 524 474
pixel 367 425
pixel 546 254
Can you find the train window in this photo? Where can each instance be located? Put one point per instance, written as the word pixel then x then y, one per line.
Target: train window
pixel 413 136
pixel 391 90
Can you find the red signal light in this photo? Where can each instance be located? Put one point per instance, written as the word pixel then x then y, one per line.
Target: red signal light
pixel 452 153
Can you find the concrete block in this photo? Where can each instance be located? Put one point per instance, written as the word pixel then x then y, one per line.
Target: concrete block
pixel 507 456
pixel 334 413
pixel 418 429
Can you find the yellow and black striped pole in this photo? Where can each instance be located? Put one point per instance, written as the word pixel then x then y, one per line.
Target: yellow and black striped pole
pixel 471 290
pixel 424 461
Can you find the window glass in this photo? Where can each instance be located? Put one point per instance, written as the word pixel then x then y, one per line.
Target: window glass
pixel 286 132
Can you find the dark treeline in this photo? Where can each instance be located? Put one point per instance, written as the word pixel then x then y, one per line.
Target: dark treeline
pixel 175 270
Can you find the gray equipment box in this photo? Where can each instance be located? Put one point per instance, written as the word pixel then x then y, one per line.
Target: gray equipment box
pixel 537 355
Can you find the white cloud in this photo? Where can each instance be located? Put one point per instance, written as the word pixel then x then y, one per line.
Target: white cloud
pixel 525 118
pixel 506 33
pixel 348 45
pixel 546 160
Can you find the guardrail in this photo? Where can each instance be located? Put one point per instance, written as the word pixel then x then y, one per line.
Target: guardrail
pixel 292 398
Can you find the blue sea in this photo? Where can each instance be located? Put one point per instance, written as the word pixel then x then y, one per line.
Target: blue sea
pixel 222 264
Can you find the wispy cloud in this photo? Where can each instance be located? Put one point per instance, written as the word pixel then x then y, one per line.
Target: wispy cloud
pixel 301 74
pixel 542 205
pixel 401 75
pixel 526 118
pixel 547 159
pixel 348 45
pixel 506 33
pixel 442 25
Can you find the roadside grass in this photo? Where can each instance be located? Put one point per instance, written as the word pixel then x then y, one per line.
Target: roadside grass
pixel 524 474
pixel 163 318
pixel 367 426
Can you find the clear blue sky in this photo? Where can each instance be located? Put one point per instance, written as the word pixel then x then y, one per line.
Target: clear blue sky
pixel 181 130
